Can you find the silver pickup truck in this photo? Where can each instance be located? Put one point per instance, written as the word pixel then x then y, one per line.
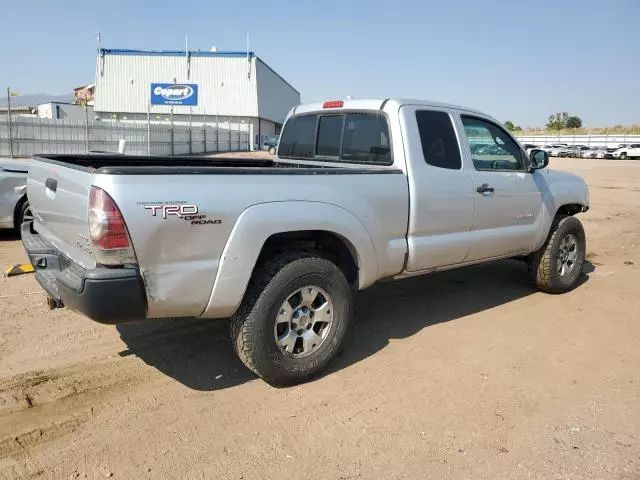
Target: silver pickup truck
pixel 14 206
pixel 360 191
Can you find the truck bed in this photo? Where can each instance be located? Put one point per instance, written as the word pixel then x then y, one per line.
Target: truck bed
pixel 191 165
pixel 239 202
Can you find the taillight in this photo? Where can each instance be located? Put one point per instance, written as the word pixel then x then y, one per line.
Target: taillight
pixel 107 230
pixel 333 104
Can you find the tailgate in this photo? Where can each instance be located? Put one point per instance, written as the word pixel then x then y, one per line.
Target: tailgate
pixel 59 197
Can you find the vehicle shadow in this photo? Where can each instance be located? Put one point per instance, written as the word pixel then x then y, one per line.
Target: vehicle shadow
pixel 198 353
pixel 9 235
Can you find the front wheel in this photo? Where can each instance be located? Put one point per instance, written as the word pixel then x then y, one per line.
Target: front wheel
pixel 294 318
pixel 623 156
pixel 557 266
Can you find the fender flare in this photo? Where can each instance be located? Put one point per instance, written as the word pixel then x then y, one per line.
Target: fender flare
pixel 259 222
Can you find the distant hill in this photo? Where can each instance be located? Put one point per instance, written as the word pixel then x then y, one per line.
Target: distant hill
pixel 35 99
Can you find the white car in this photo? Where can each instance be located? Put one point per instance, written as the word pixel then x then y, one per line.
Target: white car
pixel 556 149
pixel 630 151
pixel 600 152
pixel 14 206
pixel 589 153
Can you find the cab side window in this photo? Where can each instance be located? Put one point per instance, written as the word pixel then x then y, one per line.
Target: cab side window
pixel 438 139
pixel 491 148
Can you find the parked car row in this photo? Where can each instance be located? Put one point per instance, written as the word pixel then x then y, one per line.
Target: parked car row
pixel 622 151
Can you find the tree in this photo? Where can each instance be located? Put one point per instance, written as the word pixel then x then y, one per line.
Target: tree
pixel 574 122
pixel 509 125
pixel 557 121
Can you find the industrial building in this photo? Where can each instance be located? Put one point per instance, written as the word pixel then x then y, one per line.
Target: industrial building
pixel 64 111
pixel 233 90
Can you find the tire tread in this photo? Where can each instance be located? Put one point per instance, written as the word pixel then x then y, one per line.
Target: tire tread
pixel 247 322
pixel 541 264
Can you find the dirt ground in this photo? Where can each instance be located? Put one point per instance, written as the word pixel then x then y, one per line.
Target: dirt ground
pixel 462 374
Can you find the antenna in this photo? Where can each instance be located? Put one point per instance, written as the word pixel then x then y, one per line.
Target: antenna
pixel 98 41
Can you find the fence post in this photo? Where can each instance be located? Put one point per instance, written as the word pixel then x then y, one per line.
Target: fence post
pixel 9 121
pixel 172 146
pixel 86 127
pixel 148 129
pixel 190 128
pixel 204 132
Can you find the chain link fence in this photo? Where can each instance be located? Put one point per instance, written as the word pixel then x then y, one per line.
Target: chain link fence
pixel 24 136
pixel 603 140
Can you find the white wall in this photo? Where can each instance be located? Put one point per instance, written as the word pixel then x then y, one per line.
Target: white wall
pixel 275 96
pixel 63 111
pixel 123 83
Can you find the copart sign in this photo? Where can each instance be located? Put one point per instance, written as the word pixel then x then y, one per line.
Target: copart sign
pixel 174 94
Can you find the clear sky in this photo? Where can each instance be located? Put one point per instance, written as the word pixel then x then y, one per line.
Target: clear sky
pixel 516 60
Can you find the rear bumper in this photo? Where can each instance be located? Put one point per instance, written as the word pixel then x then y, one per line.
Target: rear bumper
pixel 106 295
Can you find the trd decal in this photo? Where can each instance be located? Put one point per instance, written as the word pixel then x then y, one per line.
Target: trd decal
pixel 185 211
pixel 178 210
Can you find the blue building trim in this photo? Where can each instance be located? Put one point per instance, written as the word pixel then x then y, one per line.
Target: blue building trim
pixel 174 53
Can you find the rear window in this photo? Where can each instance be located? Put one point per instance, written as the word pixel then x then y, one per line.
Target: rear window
pixel 348 137
pixel 329 135
pixel 297 138
pixel 366 139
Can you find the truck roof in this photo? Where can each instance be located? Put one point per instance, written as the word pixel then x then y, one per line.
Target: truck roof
pixel 376 104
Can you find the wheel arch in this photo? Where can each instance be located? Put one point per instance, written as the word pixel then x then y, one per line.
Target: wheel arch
pixel 325 243
pixel 267 229
pixel 16 211
pixel 571 209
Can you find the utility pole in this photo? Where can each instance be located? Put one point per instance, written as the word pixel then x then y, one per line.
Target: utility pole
pixel 9 120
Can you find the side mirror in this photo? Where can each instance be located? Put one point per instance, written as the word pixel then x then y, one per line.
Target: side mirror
pixel 539 159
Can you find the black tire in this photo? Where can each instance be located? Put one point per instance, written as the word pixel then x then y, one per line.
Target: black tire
pixel 23 211
pixel 272 150
pixel 252 327
pixel 623 156
pixel 543 263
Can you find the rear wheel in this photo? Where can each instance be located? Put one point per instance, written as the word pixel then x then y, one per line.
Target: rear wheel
pixel 294 318
pixel 556 267
pixel 23 214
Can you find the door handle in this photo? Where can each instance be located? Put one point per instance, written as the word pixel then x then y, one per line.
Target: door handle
pixel 484 188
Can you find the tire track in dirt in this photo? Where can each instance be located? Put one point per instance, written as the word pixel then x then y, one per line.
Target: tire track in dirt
pixel 40 406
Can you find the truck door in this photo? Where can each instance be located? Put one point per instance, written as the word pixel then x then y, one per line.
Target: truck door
pixel 440 189
pixel 508 203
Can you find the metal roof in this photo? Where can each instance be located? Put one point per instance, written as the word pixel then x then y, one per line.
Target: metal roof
pixel 175 53
pixel 191 53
